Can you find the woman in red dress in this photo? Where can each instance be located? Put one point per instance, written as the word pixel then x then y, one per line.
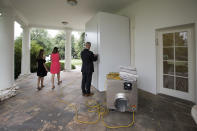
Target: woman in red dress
pixel 55 66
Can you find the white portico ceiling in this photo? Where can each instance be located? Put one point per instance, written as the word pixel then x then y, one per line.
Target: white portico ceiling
pixel 50 13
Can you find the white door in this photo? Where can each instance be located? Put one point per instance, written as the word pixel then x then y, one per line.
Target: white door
pixel 176 63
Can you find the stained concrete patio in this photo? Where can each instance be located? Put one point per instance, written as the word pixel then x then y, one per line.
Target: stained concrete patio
pixel 33 110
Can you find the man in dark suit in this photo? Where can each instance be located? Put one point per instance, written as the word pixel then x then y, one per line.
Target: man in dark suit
pixel 88 57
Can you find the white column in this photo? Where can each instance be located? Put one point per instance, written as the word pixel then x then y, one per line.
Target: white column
pixel 6 48
pixel 25 61
pixel 68 58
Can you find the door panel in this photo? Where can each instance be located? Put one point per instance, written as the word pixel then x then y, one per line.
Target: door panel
pixel 176 63
pixel 168 81
pixel 182 84
pixel 168 53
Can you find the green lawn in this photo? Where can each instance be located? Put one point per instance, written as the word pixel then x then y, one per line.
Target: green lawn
pixel 75 62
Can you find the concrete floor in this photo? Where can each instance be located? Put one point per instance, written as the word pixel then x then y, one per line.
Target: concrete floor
pixel 33 110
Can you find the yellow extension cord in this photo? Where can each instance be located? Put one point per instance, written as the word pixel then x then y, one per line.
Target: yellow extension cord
pixel 101 111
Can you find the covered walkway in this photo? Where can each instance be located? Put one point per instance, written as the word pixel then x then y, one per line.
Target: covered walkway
pixel 33 110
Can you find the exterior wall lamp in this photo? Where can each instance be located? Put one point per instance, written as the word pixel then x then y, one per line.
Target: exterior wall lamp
pixel 72 2
pixel 64 22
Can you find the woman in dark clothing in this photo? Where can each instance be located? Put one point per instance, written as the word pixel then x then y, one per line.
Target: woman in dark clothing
pixel 42 69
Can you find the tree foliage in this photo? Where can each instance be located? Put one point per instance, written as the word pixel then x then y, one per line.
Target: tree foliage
pixel 80 44
pixel 40 39
pixel 77 45
pixel 59 41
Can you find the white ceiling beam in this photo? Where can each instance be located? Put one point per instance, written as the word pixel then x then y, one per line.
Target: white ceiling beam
pixel 18 16
pixel 53 27
pixel 20 19
pixel 5 3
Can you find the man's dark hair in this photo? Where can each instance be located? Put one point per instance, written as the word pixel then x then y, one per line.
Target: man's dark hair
pixel 88 43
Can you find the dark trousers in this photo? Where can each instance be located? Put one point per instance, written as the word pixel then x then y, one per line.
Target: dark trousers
pixel 86 82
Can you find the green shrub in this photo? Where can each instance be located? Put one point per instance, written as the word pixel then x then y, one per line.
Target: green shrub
pixel 48 65
pixel 73 66
pixel 35 49
pixel 76 62
pixel 17 57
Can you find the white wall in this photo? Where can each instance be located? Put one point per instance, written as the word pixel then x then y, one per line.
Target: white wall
pixel 109 35
pixel 114 45
pixel 6 48
pixel 147 16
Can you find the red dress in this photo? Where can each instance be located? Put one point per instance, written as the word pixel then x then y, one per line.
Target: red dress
pixel 55 64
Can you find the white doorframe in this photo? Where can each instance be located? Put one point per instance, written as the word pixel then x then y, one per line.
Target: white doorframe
pixel 191 95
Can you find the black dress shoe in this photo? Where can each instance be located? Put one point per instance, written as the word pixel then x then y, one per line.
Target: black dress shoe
pixel 83 94
pixel 39 88
pixel 90 94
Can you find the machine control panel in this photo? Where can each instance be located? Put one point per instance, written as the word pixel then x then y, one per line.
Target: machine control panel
pixel 133 108
pixel 127 86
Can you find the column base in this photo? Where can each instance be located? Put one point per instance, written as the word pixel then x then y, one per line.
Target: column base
pixel 24 75
pixel 9 92
pixel 67 70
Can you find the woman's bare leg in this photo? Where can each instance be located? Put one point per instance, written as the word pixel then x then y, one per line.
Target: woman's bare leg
pixel 38 83
pixel 52 80
pixel 58 78
pixel 42 82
